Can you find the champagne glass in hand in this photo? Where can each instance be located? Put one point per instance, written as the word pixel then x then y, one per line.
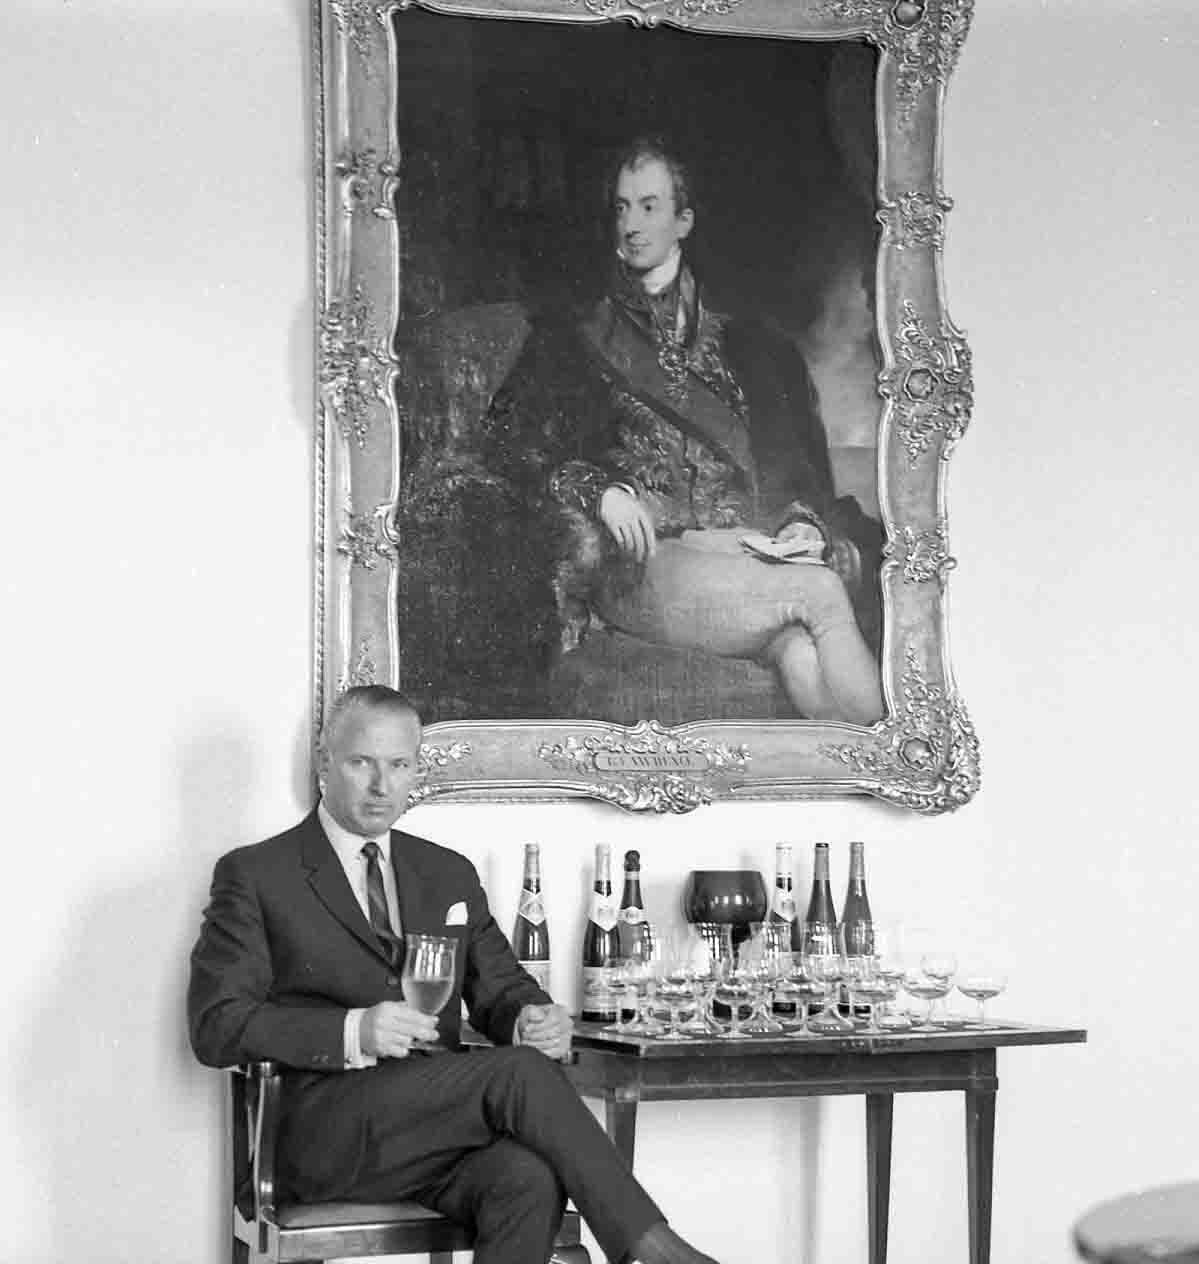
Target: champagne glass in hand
pixel 427 979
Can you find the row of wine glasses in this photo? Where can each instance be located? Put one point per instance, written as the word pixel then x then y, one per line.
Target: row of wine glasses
pixel 783 992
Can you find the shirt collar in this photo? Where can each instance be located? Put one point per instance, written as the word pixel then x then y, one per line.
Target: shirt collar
pixel 348 846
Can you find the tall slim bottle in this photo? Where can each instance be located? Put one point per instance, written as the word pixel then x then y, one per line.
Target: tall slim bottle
pixel 782 910
pixel 855 912
pixel 856 920
pixel 601 943
pixel 821 910
pixel 531 935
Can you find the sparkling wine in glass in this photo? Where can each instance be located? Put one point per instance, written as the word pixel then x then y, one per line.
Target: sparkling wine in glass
pixel 427 979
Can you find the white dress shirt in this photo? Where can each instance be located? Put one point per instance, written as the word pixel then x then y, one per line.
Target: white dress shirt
pixel 348 847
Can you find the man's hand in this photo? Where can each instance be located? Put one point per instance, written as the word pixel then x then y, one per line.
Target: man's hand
pixel 629 522
pixel 388 1029
pixel 546 1027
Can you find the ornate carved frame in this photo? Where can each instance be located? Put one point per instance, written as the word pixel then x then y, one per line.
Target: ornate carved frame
pixel 924 753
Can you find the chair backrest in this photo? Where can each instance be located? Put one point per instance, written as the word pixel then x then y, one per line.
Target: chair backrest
pixel 268 1231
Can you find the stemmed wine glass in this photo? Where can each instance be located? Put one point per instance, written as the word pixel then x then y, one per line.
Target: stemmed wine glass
pixel 709 948
pixel 891 965
pixel 643 972
pixel 768 956
pixel 427 979
pixel 734 986
pixel 822 958
pixel 940 965
pixel 981 983
pixel 801 985
pixel 675 987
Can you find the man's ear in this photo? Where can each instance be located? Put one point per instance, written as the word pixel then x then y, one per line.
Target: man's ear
pixel 686 221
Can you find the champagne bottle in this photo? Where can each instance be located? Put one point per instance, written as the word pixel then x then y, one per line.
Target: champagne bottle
pixel 600 943
pixel 531 936
pixel 782 910
pixel 856 920
pixel 632 927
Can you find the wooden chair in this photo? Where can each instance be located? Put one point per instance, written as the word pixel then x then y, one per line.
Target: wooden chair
pixel 269 1232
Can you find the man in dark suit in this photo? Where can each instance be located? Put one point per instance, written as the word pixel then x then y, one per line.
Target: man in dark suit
pixel 299 961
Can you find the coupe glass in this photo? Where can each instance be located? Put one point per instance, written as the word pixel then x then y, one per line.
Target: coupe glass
pixel 643 972
pixel 891 962
pixel 710 947
pixel 981 983
pixel 734 987
pixel 929 988
pixel 427 979
pixel 768 957
pixel 941 965
pixel 822 960
pixel 674 987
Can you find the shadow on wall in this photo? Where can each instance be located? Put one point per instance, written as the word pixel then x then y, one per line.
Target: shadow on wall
pixel 126 1121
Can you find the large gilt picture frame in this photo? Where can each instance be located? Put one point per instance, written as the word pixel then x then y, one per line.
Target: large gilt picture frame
pixel 636 394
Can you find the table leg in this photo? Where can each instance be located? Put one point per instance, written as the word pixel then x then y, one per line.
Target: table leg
pixel 980 1162
pixel 620 1121
pixel 879 1111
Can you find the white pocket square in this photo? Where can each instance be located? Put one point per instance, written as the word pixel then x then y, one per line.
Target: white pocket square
pixel 456 914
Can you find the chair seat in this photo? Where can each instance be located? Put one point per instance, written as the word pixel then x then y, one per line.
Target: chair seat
pixel 1153 1225
pixel 312 1215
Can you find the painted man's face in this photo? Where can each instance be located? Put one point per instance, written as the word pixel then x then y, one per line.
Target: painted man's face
pixel 647 226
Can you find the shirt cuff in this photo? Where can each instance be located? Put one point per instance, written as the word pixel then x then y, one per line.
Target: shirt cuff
pixel 354 1058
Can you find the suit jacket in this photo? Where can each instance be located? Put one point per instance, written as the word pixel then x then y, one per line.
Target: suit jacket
pixel 285 950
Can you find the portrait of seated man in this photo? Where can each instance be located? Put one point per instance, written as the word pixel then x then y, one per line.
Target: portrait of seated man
pixel 652 484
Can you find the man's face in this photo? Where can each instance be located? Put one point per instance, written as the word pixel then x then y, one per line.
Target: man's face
pixel 369 768
pixel 647 225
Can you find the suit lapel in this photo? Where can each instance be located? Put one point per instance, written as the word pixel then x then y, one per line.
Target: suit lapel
pixel 414 890
pixel 328 880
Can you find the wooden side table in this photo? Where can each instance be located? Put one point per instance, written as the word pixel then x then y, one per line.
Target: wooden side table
pixel 625 1070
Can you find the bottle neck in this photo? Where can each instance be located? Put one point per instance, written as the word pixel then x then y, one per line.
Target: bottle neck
pixel 532 878
pixel 603 871
pixel 820 864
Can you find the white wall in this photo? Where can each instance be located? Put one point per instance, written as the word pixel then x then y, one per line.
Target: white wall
pixel 156 302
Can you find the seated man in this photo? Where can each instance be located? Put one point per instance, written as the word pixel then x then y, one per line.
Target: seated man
pixel 676 471
pixel 299 961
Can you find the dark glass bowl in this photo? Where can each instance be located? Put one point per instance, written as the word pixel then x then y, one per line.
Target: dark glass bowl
pixel 730 897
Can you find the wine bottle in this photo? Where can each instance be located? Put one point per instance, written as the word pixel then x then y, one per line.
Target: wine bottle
pixel 601 943
pixel 821 910
pixel 857 924
pixel 820 920
pixel 531 936
pixel 855 913
pixel 782 911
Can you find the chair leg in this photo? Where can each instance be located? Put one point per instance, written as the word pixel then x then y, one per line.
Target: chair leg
pixel 241 1252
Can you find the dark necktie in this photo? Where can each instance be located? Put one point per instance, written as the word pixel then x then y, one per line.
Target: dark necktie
pixel 376 899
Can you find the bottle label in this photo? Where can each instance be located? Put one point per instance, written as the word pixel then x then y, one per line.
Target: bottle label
pixel 540 970
pixel 603 911
pixel 531 907
pixel 784 905
pixel 632 915
pixel 597 992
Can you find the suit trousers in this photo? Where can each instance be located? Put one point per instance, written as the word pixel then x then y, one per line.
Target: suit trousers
pixel 496 1139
